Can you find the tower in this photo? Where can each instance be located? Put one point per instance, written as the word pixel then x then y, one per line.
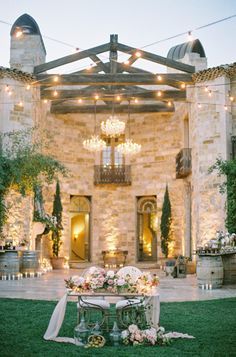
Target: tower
pixel 27 47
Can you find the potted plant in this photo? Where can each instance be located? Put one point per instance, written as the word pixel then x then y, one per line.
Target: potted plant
pixel 57 262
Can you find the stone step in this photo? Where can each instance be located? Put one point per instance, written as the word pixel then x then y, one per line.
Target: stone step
pixel 74 264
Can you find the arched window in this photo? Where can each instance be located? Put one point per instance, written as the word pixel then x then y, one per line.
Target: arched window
pixel 147 228
pixel 80 207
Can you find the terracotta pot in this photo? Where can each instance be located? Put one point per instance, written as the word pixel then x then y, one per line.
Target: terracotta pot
pixel 57 263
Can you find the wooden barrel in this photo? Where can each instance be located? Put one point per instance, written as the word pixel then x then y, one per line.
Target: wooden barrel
pixel 9 263
pixel 229 264
pixel 210 271
pixel 30 261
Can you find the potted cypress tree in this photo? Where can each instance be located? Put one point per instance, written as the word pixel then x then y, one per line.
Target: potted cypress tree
pixel 57 262
pixel 166 224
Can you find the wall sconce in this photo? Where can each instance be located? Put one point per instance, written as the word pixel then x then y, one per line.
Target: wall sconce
pixel 76 236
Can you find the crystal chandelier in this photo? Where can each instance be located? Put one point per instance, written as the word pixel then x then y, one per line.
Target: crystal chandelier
pixel 129 147
pixel 113 126
pixel 94 144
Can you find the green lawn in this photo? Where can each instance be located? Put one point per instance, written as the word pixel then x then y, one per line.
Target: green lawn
pixel 213 323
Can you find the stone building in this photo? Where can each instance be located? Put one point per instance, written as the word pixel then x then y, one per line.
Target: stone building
pixel 183 122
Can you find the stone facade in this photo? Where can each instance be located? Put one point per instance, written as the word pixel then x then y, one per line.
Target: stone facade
pixel 197 206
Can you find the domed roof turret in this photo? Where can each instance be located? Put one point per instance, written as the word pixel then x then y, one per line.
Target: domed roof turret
pixel 28 26
pixel 179 51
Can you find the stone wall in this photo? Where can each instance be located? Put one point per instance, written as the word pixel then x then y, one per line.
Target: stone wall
pixel 113 216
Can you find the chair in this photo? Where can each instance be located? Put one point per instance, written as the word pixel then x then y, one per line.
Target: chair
pixel 90 304
pixel 130 311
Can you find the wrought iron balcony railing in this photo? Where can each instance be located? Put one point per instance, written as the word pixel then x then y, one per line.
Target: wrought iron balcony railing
pixel 117 174
pixel 183 163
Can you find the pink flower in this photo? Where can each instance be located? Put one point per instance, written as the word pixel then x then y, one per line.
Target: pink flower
pixel 120 282
pixel 110 282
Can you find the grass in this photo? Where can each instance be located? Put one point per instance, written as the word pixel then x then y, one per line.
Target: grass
pixel 213 323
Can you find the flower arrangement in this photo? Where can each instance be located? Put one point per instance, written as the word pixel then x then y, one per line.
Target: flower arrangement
pixel 134 336
pixel 110 281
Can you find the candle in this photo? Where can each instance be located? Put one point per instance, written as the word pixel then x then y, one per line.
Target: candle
pixel 4 277
pixel 9 277
pixel 31 275
pixel 207 285
pixel 210 286
pixel 13 277
pixel 202 286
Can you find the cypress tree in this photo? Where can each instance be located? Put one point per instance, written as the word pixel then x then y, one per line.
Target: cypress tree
pixel 57 213
pixel 166 223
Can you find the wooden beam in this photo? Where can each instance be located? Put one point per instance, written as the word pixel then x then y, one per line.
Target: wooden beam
pixel 157 59
pixel 89 92
pixel 137 108
pixel 71 58
pixel 99 63
pixel 118 79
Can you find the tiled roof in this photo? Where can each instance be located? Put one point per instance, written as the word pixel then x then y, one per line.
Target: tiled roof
pixel 16 74
pixel 209 74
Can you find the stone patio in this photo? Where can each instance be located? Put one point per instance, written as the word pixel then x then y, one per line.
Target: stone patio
pixel 51 287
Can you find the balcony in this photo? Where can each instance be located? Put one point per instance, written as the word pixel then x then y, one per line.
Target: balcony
pixel 120 175
pixel 183 163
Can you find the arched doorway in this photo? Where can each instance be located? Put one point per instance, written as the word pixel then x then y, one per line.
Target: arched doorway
pixel 80 208
pixel 147 228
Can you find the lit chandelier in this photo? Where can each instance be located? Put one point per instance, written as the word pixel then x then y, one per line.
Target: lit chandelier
pixel 113 126
pixel 94 144
pixel 129 147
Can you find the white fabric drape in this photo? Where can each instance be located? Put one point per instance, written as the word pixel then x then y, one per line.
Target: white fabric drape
pixel 152 304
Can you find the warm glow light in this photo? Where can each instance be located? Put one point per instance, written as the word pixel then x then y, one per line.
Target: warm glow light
pixel 9 92
pixel 18 33
pixel 159 78
pixel 136 100
pixel 28 87
pixel 210 93
pixel 55 79
pixel 96 97
pixel 138 54
pixel 45 100
pixel 89 67
pixel 20 104
pixel 159 93
pixel 113 126
pixel 55 93
pixel 199 106
pixel 118 97
pixel 80 100
pixel 169 104
pixel 126 62
pixel 94 144
pixel 231 98
pixel 225 107
pixel 183 85
pixel 129 148
pixel 206 89
pixel 190 36
pixel 7 88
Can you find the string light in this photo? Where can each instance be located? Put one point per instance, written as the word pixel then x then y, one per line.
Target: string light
pixel 159 93
pixel 18 33
pixel 231 98
pixel 28 87
pixel 225 107
pixel 20 104
pixel 206 89
pixel 55 79
pixel 55 93
pixel 126 62
pixel 80 101
pixel 138 54
pixel 96 96
pixel 45 101
pixel 183 85
pixel 209 93
pixel 199 105
pixel 136 100
pixel 190 36
pixel 9 93
pixel 169 103
pixel 7 88
pixel 159 78
pixel 118 97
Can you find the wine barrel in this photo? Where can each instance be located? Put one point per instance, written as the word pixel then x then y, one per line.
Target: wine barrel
pixel 9 263
pixel 229 264
pixel 210 271
pixel 30 261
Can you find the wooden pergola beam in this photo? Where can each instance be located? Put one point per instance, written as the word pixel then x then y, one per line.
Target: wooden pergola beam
pixel 71 58
pixel 156 58
pixel 137 108
pixel 117 79
pixel 89 92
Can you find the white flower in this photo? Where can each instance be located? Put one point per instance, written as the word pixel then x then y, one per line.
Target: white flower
pixel 124 334
pixel 120 282
pixel 78 280
pixel 133 328
pixel 110 274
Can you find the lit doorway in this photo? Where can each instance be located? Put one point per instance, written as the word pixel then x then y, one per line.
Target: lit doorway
pixel 80 228
pixel 147 228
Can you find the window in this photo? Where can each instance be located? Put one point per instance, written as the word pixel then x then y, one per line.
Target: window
pixel 110 155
